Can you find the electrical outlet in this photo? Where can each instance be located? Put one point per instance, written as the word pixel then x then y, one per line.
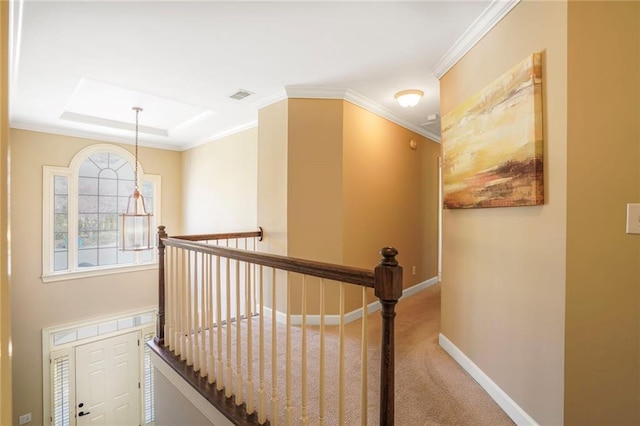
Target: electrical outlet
pixel 413 270
pixel 25 418
pixel 633 218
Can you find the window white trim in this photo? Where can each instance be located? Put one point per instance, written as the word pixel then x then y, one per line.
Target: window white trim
pixel 71 173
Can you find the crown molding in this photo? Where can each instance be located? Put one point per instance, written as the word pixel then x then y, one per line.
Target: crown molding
pixel 97 137
pixel 220 135
pixel 478 29
pixel 270 99
pixel 377 109
pixel 299 92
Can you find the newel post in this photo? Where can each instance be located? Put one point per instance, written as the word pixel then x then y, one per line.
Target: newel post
pixel 159 339
pixel 388 288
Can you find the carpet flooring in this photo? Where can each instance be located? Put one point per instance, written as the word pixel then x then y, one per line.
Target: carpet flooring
pixel 431 388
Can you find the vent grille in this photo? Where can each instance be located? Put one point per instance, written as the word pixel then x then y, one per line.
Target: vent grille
pixel 240 95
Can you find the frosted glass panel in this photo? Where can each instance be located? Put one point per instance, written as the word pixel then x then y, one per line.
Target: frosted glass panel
pixel 88 186
pixel 60 261
pixel 87 258
pixel 108 256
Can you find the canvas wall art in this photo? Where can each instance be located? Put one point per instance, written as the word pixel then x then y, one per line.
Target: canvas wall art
pixel 492 143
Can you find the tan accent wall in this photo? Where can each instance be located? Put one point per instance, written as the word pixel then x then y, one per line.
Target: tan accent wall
pixel 5 311
pixel 220 185
pixel 38 305
pixel 314 188
pixel 602 375
pixel 503 276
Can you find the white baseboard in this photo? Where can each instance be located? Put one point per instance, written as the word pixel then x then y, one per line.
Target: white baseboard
pixel 281 317
pixel 513 410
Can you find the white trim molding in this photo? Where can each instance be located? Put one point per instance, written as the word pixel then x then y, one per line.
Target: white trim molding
pixel 513 410
pixel 333 319
pixel 192 395
pixel 478 29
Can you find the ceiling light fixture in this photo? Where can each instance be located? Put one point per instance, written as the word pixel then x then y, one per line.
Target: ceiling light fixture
pixel 409 98
pixel 136 222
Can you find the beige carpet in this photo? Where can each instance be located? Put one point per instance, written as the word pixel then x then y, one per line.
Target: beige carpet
pixel 431 388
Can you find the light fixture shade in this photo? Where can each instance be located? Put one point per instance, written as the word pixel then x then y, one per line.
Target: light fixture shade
pixel 409 98
pixel 136 225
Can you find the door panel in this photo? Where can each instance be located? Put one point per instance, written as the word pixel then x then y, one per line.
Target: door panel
pixel 107 382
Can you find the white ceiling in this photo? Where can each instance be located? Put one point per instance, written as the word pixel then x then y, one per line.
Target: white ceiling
pixel 77 67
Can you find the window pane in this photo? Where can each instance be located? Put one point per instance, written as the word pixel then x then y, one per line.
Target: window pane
pixel 101 159
pixel 87 258
pixel 60 241
pixel 88 186
pixel 87 222
pixel 116 162
pixel 60 185
pixel 122 204
pixel 108 238
pixel 107 256
pixel 126 257
pixel 87 240
pixel 88 169
pixel 147 255
pixel 127 172
pixel 125 187
pixel 147 189
pixel 108 205
pixel 108 187
pixel 60 262
pixel 87 204
pixel 60 222
pixel 108 222
pixel 60 203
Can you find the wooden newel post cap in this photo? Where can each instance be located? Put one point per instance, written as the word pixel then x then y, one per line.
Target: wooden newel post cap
pixel 161 234
pixel 389 256
pixel 388 275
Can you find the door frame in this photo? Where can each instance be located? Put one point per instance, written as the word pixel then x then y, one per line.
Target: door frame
pixel 61 341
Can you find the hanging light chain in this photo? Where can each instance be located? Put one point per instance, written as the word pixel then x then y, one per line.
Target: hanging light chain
pixel 137 110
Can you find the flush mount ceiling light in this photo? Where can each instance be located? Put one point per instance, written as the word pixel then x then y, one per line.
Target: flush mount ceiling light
pixel 136 222
pixel 409 98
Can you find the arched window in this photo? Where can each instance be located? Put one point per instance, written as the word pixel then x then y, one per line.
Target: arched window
pixel 82 204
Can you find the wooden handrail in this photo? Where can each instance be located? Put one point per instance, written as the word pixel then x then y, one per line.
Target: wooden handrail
pixel 221 236
pixel 346 274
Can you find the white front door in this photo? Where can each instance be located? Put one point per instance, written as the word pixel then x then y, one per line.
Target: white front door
pixel 107 382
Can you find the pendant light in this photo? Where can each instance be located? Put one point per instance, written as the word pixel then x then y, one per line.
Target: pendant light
pixel 136 222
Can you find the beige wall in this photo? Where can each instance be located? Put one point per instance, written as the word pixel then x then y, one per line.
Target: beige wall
pixel 272 177
pixel 390 195
pixel 37 305
pixel 503 282
pixel 353 186
pixel 602 375
pixel 220 185
pixel 5 313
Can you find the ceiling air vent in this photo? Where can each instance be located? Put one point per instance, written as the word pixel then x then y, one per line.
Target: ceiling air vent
pixel 240 95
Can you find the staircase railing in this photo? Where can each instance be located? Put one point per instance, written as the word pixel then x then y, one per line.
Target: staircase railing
pixel 232 321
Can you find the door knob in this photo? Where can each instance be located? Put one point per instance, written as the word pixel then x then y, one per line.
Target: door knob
pixel 82 413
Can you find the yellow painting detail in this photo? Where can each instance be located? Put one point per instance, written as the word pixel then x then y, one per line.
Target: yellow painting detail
pixel 492 143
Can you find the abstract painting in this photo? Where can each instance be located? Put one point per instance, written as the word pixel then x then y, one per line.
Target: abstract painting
pixel 492 143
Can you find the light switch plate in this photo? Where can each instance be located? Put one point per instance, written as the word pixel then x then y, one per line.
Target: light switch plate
pixel 633 218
